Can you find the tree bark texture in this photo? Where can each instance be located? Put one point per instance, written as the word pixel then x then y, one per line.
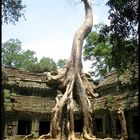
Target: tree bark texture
pixel 123 124
pixel 74 83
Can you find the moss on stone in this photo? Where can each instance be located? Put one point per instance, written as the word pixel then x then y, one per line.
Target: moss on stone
pixel 6 93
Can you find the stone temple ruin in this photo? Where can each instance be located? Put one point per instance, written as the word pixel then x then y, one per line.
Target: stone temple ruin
pixel 28 102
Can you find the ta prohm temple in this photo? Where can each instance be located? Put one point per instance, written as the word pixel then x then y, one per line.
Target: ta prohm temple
pixel 28 102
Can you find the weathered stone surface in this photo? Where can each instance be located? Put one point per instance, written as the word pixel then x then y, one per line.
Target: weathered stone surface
pixel 128 78
pixel 126 101
pixel 24 79
pixel 27 96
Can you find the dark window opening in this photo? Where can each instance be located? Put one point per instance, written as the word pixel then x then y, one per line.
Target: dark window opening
pixel 78 126
pixel 10 130
pixel 136 124
pixel 98 125
pixel 44 127
pixel 24 127
pixel 118 126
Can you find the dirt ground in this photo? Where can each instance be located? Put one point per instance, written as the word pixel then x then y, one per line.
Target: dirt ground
pixel 80 139
pixel 57 139
pixel 77 137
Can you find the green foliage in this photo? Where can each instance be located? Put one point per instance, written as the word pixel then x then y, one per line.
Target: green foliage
pixel 99 53
pixel 6 93
pixel 115 46
pixel 47 64
pixel 11 53
pixel 32 67
pixel 61 63
pixel 111 104
pixel 14 56
pixel 110 101
pixel 29 60
pixel 123 32
pixel 12 10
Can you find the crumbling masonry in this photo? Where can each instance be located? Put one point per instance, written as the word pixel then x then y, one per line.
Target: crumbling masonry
pixel 28 102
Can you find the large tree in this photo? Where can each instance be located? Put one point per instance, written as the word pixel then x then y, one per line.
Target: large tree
pixel 29 60
pixel 14 56
pixel 12 10
pixel 75 86
pixel 115 45
pixel 47 64
pixel 123 32
pixel 99 53
pixel 11 53
pixel 61 63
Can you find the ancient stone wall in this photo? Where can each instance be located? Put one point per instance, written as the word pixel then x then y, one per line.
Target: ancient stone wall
pixel 28 99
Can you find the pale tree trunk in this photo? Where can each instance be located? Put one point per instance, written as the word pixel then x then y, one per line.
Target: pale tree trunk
pixel 74 81
pixel 123 124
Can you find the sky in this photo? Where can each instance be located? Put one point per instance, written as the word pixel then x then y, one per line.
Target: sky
pixel 50 26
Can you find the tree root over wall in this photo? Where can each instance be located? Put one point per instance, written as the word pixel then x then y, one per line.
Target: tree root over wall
pixel 75 86
pixel 74 83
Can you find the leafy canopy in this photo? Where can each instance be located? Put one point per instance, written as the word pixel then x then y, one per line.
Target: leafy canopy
pixel 11 53
pixel 14 56
pixel 12 10
pixel 115 46
pixel 98 52
pixel 123 32
pixel 47 64
pixel 61 63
